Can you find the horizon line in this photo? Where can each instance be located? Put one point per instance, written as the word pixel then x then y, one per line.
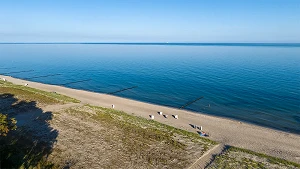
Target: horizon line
pixel 266 44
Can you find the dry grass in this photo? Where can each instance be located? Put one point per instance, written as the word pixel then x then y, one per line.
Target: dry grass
pixel 106 138
pixel 96 137
pixel 31 142
pixel 237 158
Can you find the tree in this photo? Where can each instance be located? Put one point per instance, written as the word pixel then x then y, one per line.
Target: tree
pixel 6 124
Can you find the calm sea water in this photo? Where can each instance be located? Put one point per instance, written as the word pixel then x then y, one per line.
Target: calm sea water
pixel 252 83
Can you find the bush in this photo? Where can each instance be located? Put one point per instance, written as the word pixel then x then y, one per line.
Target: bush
pixel 6 124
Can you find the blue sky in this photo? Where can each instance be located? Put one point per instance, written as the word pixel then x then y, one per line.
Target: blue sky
pixel 150 21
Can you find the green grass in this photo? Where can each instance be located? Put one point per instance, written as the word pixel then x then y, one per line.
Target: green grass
pixel 137 134
pixel 20 150
pixel 272 160
pixel 145 123
pixel 158 144
pixel 238 158
pixel 28 93
pixel 118 119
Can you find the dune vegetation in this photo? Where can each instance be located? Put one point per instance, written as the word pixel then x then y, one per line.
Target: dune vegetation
pixel 48 130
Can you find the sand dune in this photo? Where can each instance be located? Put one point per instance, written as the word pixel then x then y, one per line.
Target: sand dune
pixel 272 142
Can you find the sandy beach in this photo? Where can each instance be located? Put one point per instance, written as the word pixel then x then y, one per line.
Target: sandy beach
pixel 230 132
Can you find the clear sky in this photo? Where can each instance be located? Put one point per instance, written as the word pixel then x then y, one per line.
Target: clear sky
pixel 150 21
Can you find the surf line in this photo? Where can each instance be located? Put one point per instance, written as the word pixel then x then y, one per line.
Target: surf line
pixel 191 102
pixel 17 72
pixel 42 76
pixel 74 82
pixel 123 90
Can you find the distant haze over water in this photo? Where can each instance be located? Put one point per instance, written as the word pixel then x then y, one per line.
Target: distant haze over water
pixel 257 83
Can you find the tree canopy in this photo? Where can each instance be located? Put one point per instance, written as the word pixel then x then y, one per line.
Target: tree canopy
pixel 6 124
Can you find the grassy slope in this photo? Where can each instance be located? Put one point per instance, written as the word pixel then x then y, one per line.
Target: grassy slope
pixel 31 94
pixel 157 145
pixel 238 158
pixel 19 149
pixel 123 117
pixel 145 129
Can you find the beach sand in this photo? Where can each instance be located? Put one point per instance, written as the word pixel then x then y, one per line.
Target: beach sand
pixel 229 132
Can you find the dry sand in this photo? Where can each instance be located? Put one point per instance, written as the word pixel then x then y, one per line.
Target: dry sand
pixel 264 140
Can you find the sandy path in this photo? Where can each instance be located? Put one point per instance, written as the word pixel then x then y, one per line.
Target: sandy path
pixel 58 107
pixel 226 131
pixel 207 157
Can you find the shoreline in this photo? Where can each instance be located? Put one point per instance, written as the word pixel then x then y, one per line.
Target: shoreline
pixel 162 105
pixel 224 130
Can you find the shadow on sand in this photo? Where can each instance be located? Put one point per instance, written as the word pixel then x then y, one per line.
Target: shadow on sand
pixel 30 144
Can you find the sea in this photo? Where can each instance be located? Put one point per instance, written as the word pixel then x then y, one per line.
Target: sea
pixel 251 82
